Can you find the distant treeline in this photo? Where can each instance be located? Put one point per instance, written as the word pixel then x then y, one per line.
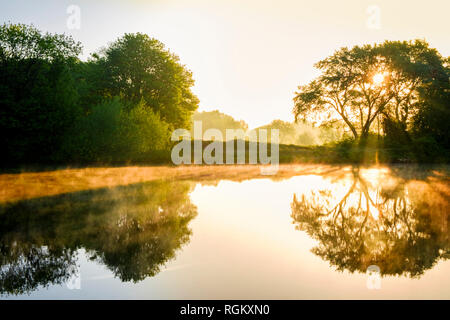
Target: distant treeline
pixel 217 120
pixel 299 133
pixel 122 104
pixel 302 133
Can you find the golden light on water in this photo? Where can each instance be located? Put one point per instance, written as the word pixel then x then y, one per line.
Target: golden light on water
pixel 29 185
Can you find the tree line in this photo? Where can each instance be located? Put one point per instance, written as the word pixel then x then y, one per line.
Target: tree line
pixel 121 104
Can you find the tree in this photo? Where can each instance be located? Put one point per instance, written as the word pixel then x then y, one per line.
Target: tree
pixel 139 67
pixel 23 42
pixel 287 131
pixel 111 134
pixel 38 96
pixel 217 120
pixel 431 120
pixel 360 84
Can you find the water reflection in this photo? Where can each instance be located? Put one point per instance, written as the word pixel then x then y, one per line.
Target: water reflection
pixel 395 219
pixel 377 217
pixel 133 230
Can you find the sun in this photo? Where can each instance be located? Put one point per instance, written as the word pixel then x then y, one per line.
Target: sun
pixel 378 78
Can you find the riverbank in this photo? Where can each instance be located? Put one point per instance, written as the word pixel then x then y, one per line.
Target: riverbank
pixel 344 152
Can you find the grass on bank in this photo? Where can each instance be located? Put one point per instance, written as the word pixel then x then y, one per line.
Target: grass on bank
pixel 373 151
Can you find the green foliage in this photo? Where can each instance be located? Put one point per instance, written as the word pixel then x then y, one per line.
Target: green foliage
pixel 346 91
pixel 110 133
pixel 119 106
pixel 427 150
pixel 122 104
pixel 287 131
pixel 95 137
pixel 301 133
pixel 145 136
pixel 434 112
pixel 38 99
pixel 22 42
pixel 217 120
pixel 137 67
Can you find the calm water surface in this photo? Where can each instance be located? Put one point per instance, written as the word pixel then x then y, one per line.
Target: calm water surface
pixel 306 236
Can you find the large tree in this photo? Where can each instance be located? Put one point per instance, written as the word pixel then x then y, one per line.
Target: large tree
pixel 358 85
pixel 38 96
pixel 137 67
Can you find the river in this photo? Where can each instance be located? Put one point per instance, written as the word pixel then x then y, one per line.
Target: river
pixel 227 232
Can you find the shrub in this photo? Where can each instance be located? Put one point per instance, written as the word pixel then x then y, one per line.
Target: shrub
pixel 111 134
pixel 426 149
pixel 143 135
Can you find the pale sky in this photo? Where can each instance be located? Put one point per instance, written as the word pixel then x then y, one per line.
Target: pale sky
pixel 247 56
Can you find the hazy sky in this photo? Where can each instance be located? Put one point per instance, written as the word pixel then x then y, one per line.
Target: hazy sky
pixel 247 56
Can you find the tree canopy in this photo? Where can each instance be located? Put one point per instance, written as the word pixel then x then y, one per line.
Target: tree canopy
pixel 137 67
pixel 20 42
pixel 38 95
pixel 218 120
pixel 360 84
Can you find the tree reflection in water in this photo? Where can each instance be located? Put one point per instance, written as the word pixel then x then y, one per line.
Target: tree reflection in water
pixel 133 230
pixel 390 220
